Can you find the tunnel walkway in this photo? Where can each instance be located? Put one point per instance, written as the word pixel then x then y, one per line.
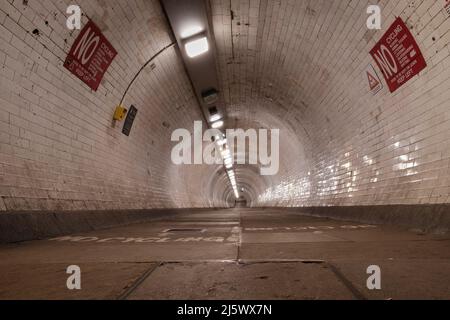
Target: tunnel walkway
pixel 231 254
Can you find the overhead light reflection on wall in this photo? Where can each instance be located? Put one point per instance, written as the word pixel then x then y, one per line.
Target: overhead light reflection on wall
pixel 191 31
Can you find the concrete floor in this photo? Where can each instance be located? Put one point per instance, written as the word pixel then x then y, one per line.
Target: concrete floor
pixel 231 254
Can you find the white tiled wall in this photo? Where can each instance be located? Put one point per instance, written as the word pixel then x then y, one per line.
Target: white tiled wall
pixel 309 59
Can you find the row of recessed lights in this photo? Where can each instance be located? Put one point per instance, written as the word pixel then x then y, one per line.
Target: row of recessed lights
pixel 227 157
pixel 195 46
pixel 217 123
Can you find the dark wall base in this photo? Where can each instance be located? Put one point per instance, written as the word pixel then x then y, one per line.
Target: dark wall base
pixel 428 218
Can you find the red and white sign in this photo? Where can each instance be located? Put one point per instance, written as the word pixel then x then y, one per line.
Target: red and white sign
pixel 90 56
pixel 375 84
pixel 398 55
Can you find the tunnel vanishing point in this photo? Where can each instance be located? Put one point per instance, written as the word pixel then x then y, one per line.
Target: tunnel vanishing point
pixel 111 188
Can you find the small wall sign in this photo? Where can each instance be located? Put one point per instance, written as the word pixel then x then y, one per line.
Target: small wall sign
pixel 129 121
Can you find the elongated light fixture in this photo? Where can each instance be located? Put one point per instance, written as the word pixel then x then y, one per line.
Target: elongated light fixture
pixel 197 47
pixel 217 124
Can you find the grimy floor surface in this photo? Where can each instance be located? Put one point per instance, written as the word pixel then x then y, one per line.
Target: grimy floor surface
pixel 231 254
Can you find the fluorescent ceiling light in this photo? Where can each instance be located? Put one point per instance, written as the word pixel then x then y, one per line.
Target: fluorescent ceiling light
pixel 215 118
pixel 197 47
pixel 226 153
pixel 222 142
pixel 217 125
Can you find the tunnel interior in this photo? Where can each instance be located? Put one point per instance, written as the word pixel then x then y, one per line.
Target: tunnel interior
pixel 297 67
pixel 350 147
